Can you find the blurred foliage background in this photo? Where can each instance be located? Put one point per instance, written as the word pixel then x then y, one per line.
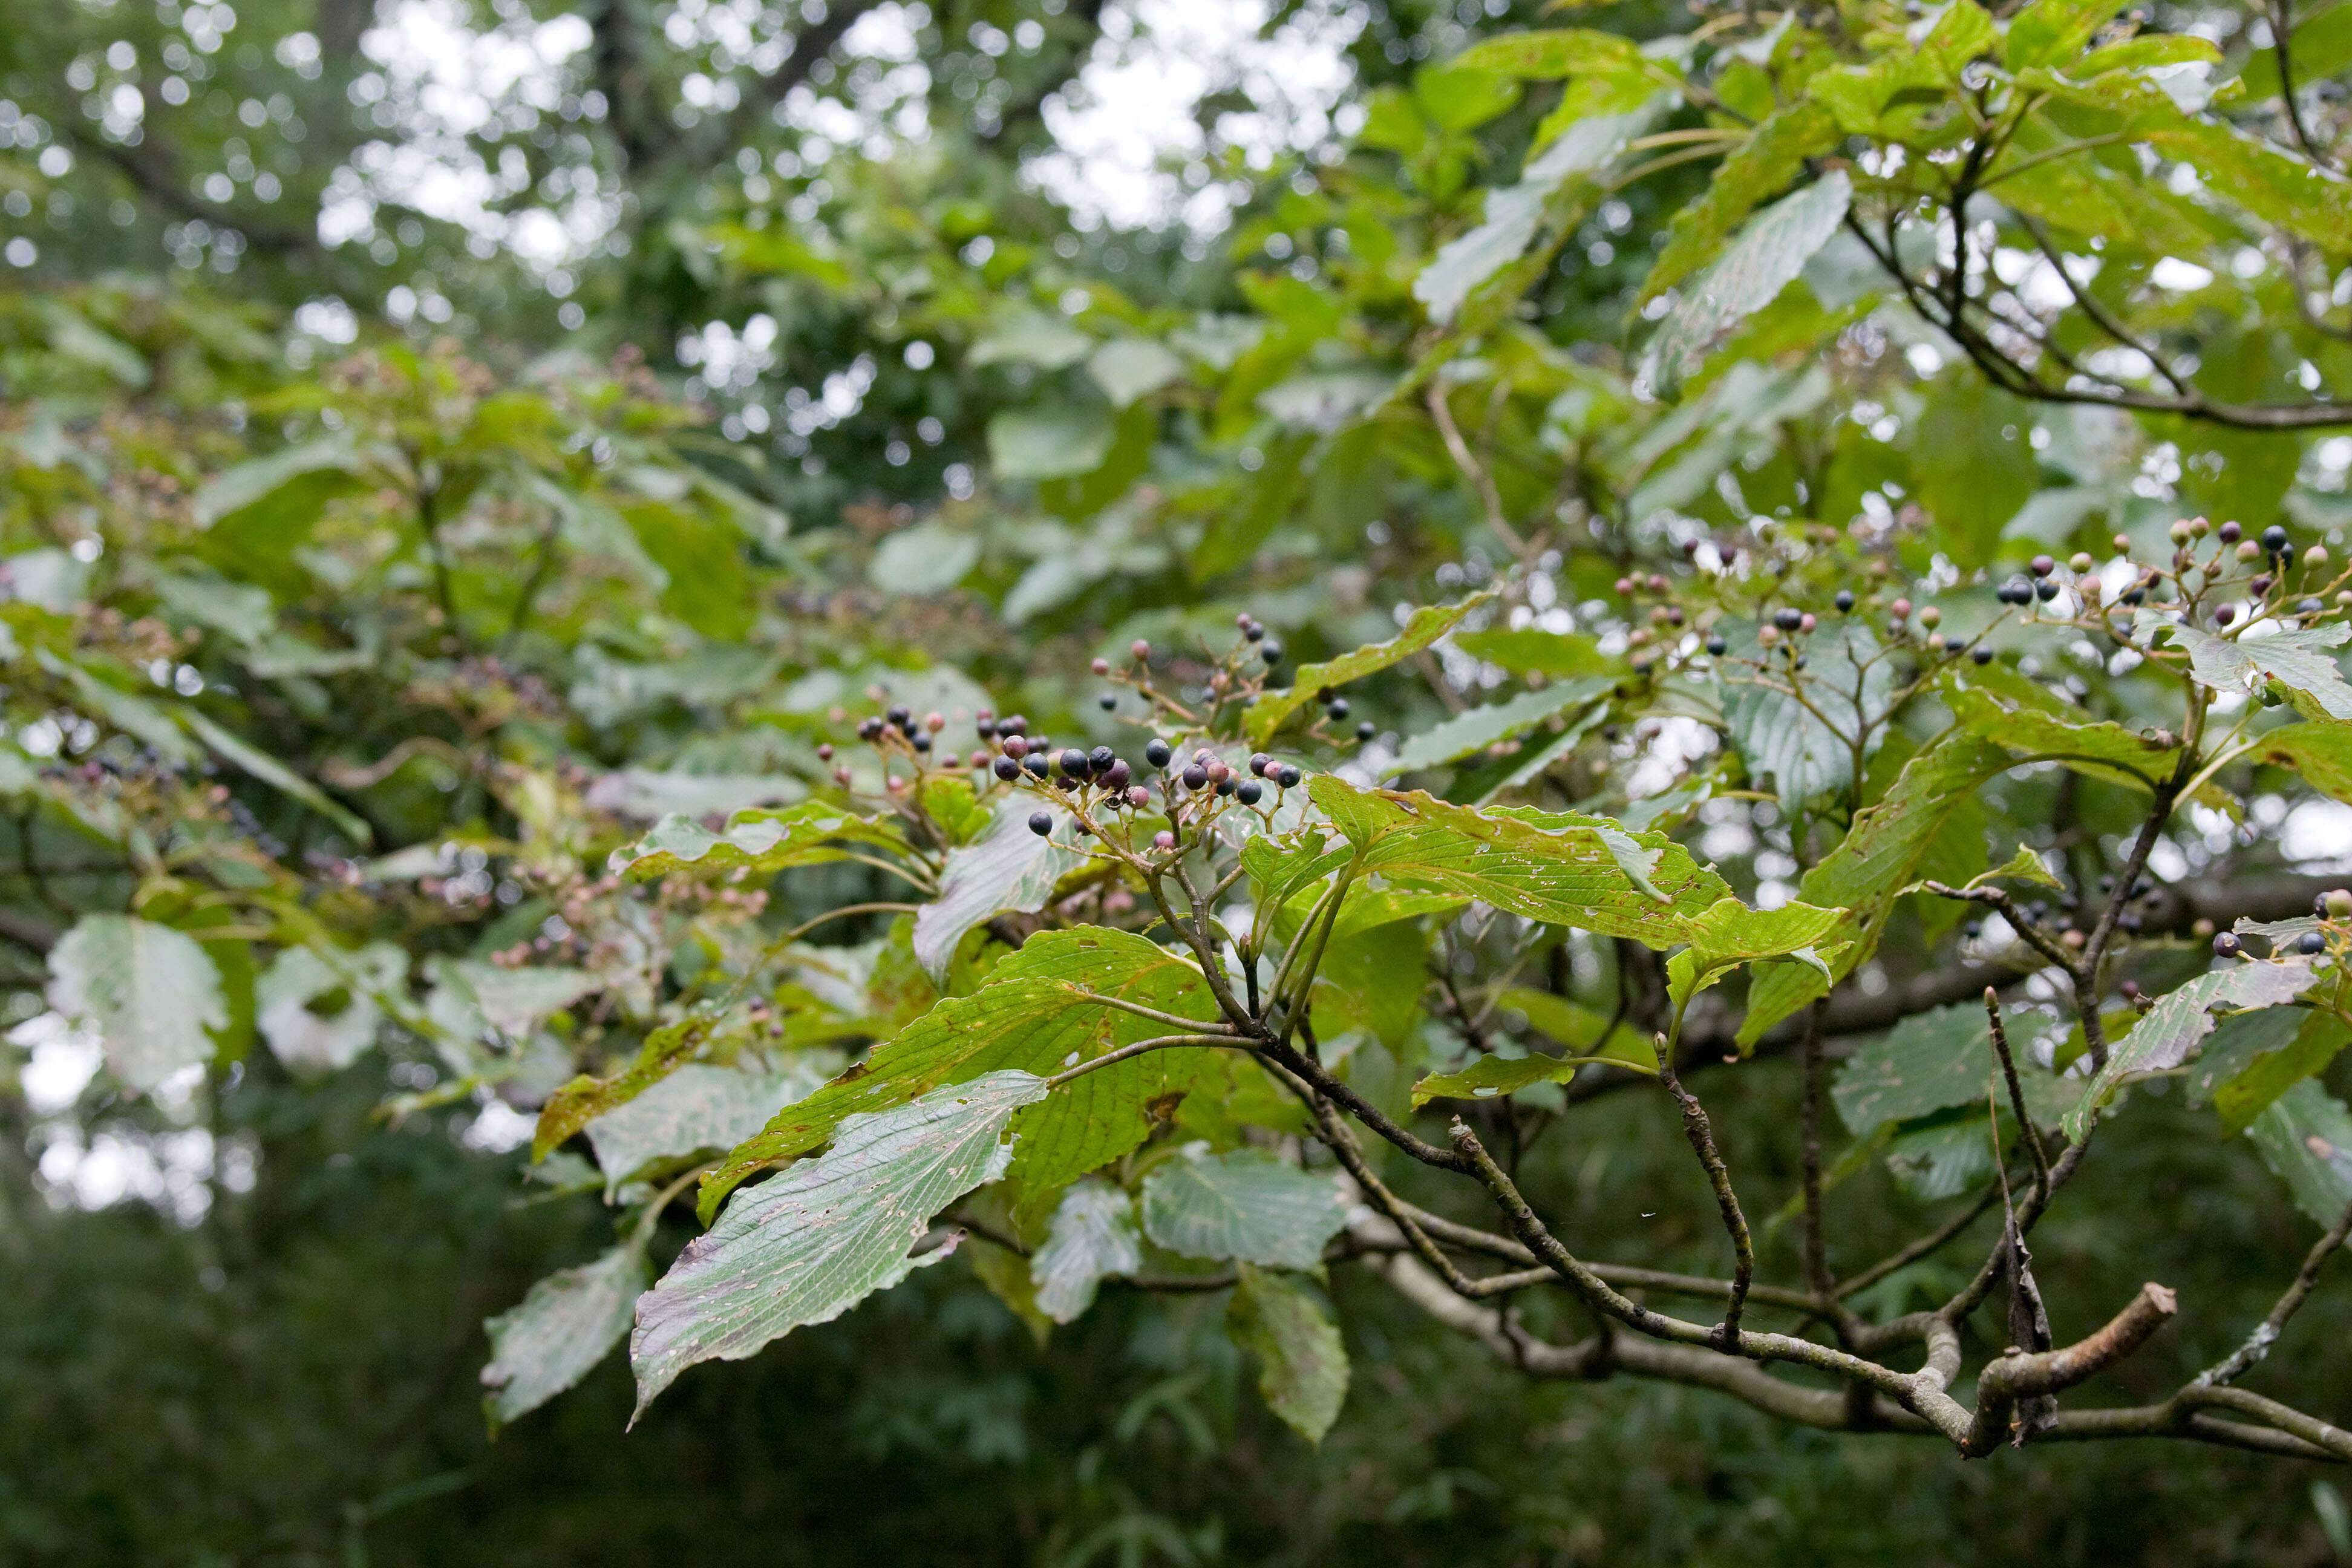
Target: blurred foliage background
pixel 636 386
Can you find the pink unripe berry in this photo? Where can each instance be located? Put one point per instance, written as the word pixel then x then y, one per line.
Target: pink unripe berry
pixel 1163 840
pixel 1140 649
pixel 1901 608
pixel 1138 796
pixel 1016 746
pixel 1808 622
pixel 1101 667
pixel 935 723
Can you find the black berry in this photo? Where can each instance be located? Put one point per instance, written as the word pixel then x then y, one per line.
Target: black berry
pixel 1225 786
pixel 898 713
pixel 921 741
pixel 1788 619
pixel 1007 769
pixel 1254 632
pixel 2046 589
pixel 1338 709
pixel 1270 652
pixel 1844 601
pixel 1107 700
pixel 1249 793
pixel 2275 538
pixel 1257 763
pixel 1982 654
pixel 1196 776
pixel 1366 731
pixel 1286 776
pixel 1101 758
pixel 1041 823
pixel 2226 945
pixel 1074 763
pixel 1015 725
pixel 2312 942
pixel 1037 766
pixel 1156 752
pixel 1718 646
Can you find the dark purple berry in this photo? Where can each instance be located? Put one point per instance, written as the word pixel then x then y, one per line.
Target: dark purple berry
pixel 2226 945
pixel 1287 776
pixel 2043 565
pixel 1252 631
pixel 1270 652
pixel 1225 786
pixel 1250 792
pixel 1118 775
pixel 1844 601
pixel 2231 532
pixel 1257 763
pixel 1338 709
pixel 1981 654
pixel 1196 777
pixel 1074 763
pixel 1718 646
pixel 1037 764
pixel 1014 725
pixel 1017 747
pixel 1007 769
pixel 1041 823
pixel 1788 618
pixel 898 713
pixel 2275 538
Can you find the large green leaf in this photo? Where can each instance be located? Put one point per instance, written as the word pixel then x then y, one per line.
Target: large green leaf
pixel 2246 1093
pixel 1926 1063
pixel 1556 867
pixel 1422 629
pixel 2164 1035
pixel 150 992
pixel 566 1324
pixel 2005 707
pixel 1050 441
pixel 1302 1371
pixel 2319 752
pixel 1808 748
pixel 1727 933
pixel 1475 728
pixel 1033 1013
pixel 1752 270
pixel 2280 188
pixel 756 841
pixel 1246 1206
pixel 821 1235
pixel 1094 1237
pixel 2305 1136
pixel 234 489
pixel 2052 32
pixel 1549 190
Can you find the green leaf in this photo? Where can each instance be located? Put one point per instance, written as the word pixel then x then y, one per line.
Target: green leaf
pixel 1047 342
pixel 1943 1158
pixel 2322 46
pixel 819 1236
pixel 1476 729
pixel 1032 1014
pixel 1556 1018
pixel 234 489
pixel 575 1104
pixel 2272 1074
pixel 1561 870
pixel 1094 1237
pixel 699 1107
pixel 2166 1033
pixel 2305 1137
pixel 1011 868
pixel 2234 1044
pixel 149 991
pixel 1532 651
pixel 1246 1206
pixel 2295 656
pixel 276 775
pixel 1927 1063
pixel 1761 166
pixel 1807 750
pixel 1492 1078
pixel 928 558
pixel 1129 368
pixel 2025 865
pixel 309 1041
pixel 1456 96
pixel 756 841
pixel 2052 32
pixel 1870 868
pixel 2275 185
pixel 1727 933
pixel 566 1324
pixel 1049 441
pixel 2319 752
pixel 1753 269
pixel 1972 463
pixel 1550 188
pixel 1302 1371
pixel 1422 629
pixel 2009 710
pixel 1550 56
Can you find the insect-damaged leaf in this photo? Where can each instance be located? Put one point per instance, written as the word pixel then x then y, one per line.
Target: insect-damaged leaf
pixel 2297 657
pixel 559 1331
pixel 1555 867
pixel 150 991
pixel 2001 706
pixel 1011 868
pixel 1033 1013
pixel 822 1235
pixel 1302 1371
pixel 1246 1206
pixel 1093 1237
pixel 701 1107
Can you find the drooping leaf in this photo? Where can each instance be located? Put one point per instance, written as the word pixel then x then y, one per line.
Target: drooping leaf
pixel 150 992
pixel 2181 1018
pixel 1926 1063
pixel 1424 627
pixel 1033 1015
pixel 2052 32
pixel 2244 1095
pixel 558 1331
pixel 1556 868
pixel 821 1235
pixel 699 1107
pixel 1302 1371
pixel 1530 650
pixel 1246 1206
pixel 2025 865
pixel 756 841
pixel 1009 868
pixel 1094 1237
pixel 1476 729
pixel 2305 1137
pixel 2234 1045
pixel 1766 257
pixel 1727 933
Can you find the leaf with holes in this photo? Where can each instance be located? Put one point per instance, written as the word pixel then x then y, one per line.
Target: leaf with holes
pixel 756 841
pixel 1245 1205
pixel 2298 658
pixel 820 1236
